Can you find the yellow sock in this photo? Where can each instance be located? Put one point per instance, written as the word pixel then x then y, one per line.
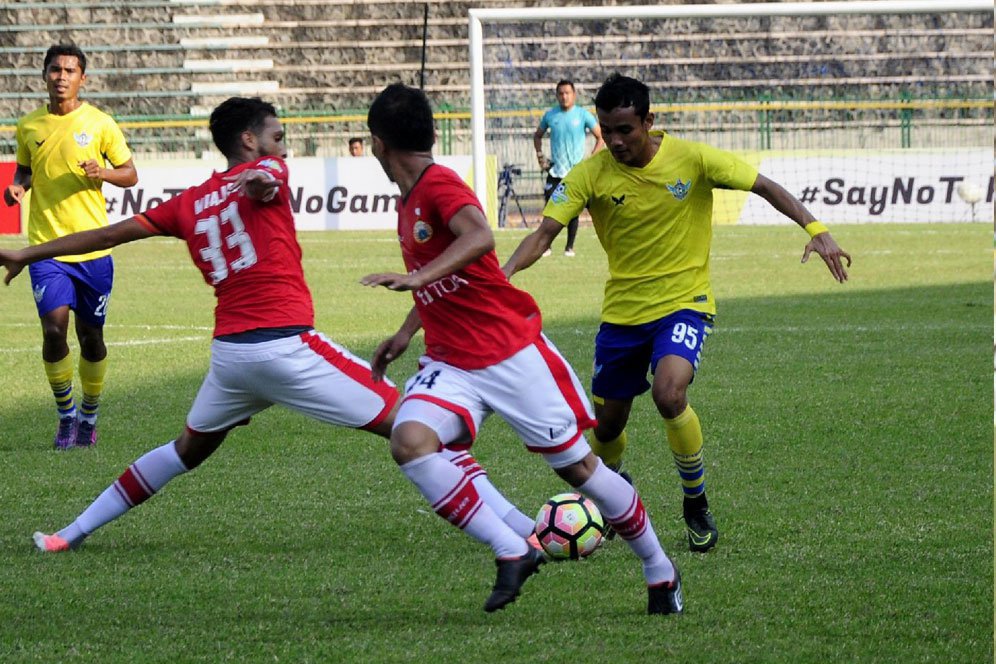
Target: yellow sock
pixel 92 378
pixel 60 378
pixel 611 451
pixel 684 434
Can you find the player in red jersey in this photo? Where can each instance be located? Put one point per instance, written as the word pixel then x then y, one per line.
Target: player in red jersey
pixel 239 229
pixel 485 353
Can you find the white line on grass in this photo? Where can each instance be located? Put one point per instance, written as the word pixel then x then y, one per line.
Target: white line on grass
pixel 735 255
pixel 906 327
pixel 118 326
pixel 304 239
pixel 118 344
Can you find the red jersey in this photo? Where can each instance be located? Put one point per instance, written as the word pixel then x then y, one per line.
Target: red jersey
pixel 474 317
pixel 247 250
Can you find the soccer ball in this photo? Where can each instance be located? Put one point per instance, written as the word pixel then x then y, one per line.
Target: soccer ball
pixel 569 526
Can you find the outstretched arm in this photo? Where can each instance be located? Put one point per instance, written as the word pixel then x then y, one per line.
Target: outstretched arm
pixel 128 230
pixel 822 242
pixel 532 246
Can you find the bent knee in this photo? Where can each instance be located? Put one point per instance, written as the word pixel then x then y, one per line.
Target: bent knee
pixel 411 440
pixel 194 448
pixel 578 472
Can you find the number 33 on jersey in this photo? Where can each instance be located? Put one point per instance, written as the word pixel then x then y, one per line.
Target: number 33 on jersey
pixel 239 244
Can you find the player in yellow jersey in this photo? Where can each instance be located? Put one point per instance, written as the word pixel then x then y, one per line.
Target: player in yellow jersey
pixel 650 198
pixel 66 150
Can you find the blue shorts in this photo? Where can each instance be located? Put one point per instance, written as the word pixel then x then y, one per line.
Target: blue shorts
pixel 84 287
pixel 624 354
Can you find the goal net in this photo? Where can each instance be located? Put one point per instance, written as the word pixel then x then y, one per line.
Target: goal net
pixel 867 111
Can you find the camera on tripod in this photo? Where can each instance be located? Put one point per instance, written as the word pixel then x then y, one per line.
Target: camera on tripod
pixel 506 191
pixel 507 171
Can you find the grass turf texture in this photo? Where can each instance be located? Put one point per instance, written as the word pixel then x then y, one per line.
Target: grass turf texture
pixel 847 447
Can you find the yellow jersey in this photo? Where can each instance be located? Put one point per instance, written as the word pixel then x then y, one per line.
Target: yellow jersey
pixel 654 223
pixel 63 199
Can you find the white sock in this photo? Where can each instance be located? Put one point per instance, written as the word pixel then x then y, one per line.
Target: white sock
pixel 621 506
pixel 509 513
pixel 454 497
pixel 139 482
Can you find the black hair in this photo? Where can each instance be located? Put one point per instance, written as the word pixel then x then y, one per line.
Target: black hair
pixel 355 139
pixel 402 117
pixel 236 115
pixel 55 50
pixel 623 92
pixel 565 81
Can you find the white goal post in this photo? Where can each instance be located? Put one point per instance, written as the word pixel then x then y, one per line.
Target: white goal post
pixel 478 17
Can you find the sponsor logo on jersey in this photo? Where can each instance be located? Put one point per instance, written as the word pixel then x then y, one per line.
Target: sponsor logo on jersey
pixel 82 139
pixel 618 201
pixel 559 194
pixel 679 189
pixel 440 288
pixel 39 143
pixel 39 293
pixel 272 164
pixel 421 231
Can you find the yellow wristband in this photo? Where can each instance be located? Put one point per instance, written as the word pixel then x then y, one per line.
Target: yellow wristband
pixel 814 228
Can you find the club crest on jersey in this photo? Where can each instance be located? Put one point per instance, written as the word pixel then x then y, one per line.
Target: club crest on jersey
pixel 272 164
pixel 679 189
pixel 559 194
pixel 82 139
pixel 421 231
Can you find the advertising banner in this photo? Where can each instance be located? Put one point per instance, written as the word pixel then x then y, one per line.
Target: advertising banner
pixel 348 193
pixel 877 186
pixel 855 186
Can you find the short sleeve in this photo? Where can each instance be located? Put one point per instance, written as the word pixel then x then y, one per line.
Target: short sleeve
pixel 113 144
pixel 23 154
pixel 726 169
pixel 590 122
pixel 450 195
pixel 545 121
pixel 164 219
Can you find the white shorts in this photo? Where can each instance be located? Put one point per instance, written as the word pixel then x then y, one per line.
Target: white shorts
pixel 308 373
pixel 536 391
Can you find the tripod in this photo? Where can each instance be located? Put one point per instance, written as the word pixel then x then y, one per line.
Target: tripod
pixel 508 191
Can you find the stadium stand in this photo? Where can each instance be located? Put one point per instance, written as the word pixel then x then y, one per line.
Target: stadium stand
pixel 176 59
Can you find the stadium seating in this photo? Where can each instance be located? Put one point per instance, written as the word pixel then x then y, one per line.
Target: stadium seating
pixel 180 57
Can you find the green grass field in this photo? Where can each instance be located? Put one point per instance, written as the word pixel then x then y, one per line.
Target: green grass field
pixel 848 454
